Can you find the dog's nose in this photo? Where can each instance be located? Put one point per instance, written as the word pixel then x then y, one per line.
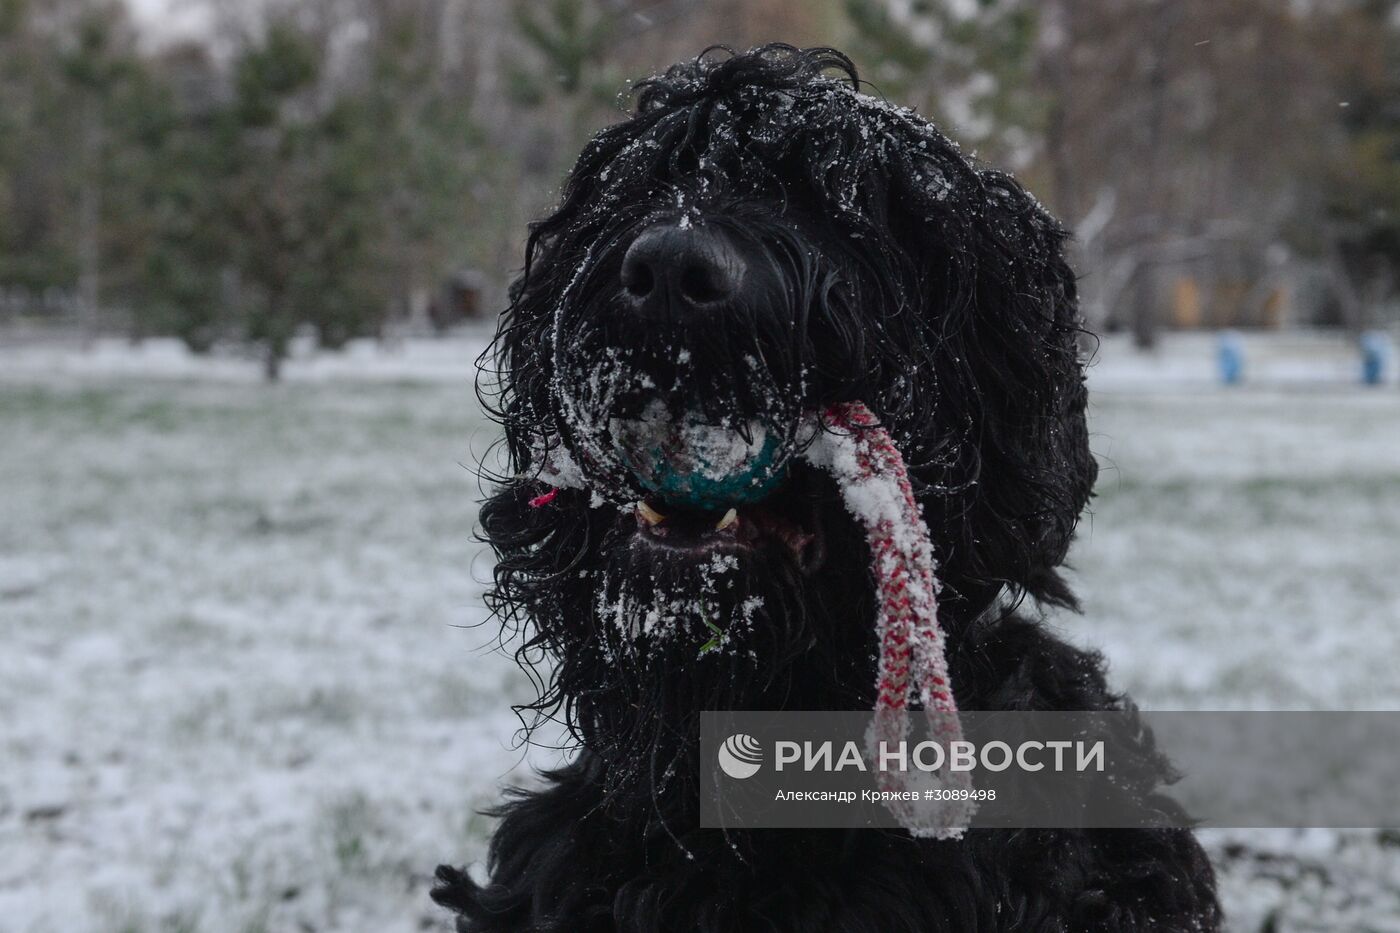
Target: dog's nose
pixel 674 268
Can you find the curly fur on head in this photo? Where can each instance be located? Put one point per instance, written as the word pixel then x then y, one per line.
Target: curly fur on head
pixel 881 266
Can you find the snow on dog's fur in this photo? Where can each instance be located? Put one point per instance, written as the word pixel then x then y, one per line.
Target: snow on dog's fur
pixel 861 258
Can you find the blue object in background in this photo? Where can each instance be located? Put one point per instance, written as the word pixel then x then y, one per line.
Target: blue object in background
pixel 1375 357
pixel 1230 355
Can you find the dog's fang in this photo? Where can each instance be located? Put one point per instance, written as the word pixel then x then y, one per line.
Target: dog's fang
pixel 648 514
pixel 730 519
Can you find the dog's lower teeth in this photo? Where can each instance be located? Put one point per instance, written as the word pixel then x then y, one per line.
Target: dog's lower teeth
pixel 730 518
pixel 648 514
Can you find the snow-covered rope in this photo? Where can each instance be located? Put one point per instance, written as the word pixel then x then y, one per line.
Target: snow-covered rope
pixel 874 483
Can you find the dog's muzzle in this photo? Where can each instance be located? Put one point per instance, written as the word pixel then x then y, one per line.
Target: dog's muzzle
pixel 665 382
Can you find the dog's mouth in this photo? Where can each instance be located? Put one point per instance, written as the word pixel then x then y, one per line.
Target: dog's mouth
pixel 707 486
pixel 787 519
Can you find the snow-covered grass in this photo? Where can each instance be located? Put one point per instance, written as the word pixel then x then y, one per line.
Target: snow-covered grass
pixel 240 689
pixel 1242 553
pixel 237 691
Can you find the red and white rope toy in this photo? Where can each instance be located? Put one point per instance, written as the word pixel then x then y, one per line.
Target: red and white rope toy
pixel 874 483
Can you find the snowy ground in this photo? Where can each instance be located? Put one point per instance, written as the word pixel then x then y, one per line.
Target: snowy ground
pixel 240 689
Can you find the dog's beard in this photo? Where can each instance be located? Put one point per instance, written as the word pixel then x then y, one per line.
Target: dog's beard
pixel 669 636
pixel 708 603
pixel 677 635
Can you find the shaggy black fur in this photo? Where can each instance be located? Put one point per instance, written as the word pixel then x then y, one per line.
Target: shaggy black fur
pixel 883 267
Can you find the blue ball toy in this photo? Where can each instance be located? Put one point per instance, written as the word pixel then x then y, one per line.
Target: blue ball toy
pixel 689 463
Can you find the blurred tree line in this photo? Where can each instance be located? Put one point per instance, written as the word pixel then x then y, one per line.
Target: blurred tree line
pixel 325 166
pixel 1217 159
pixel 315 169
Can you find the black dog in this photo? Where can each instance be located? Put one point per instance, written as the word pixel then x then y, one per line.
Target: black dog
pixel 758 241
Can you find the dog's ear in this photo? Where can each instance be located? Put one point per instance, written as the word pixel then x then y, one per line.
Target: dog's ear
pixel 999 302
